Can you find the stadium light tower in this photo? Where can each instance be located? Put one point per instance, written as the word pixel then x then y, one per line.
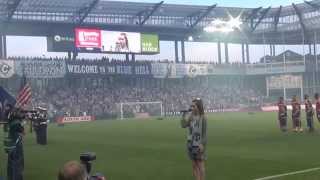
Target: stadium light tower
pixel 224 26
pixel 190 38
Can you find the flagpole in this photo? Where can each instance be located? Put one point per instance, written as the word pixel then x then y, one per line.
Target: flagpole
pixel 24 95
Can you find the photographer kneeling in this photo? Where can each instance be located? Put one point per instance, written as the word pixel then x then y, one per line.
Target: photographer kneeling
pixel 197 137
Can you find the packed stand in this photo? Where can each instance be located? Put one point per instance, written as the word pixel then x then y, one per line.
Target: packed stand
pixel 104 102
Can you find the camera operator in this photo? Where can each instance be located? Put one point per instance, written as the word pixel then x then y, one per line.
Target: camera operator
pixel 197 137
pixel 72 170
pixel 40 125
pixel 14 145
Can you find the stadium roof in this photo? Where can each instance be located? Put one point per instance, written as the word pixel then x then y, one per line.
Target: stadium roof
pixel 182 20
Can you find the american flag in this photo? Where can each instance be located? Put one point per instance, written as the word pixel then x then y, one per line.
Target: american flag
pixel 24 95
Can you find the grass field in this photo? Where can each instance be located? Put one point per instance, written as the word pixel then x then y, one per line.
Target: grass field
pixel 240 147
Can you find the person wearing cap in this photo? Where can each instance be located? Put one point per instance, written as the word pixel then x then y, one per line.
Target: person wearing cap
pixel 40 126
pixel 196 122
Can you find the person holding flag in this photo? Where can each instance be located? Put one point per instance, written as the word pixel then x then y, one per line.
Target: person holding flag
pixel 24 95
pixel 40 125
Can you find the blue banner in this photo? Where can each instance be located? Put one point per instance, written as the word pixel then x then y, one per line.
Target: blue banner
pixel 6 98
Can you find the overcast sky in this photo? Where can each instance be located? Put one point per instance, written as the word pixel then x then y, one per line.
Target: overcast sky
pixel 36 46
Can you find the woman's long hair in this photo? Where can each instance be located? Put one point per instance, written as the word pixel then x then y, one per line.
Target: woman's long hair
pixel 199 105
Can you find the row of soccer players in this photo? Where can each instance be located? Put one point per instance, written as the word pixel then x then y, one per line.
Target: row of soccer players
pixel 296 113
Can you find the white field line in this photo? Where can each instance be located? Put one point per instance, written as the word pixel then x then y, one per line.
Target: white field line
pixel 288 174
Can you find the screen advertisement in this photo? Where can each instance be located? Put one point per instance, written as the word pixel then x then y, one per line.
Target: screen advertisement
pixel 102 41
pixel 149 43
pixel 88 38
pixel 117 41
pixel 60 43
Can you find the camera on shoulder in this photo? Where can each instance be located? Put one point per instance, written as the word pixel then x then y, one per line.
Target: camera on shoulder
pixel 86 159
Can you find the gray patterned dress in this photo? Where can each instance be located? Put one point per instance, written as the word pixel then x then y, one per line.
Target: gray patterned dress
pixel 197 134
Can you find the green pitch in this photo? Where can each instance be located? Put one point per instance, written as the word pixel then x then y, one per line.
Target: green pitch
pixel 241 146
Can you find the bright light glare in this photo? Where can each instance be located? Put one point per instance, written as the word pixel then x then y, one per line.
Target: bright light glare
pixel 235 22
pixel 224 26
pixel 217 29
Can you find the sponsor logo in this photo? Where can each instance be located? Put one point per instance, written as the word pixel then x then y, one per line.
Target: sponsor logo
pixel 77 119
pixel 6 69
pixel 57 38
pixel 89 38
pixel 192 71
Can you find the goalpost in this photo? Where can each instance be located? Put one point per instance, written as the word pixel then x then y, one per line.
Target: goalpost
pixel 141 109
pixel 285 85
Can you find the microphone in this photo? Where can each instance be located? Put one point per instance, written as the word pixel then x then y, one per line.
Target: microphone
pixel 185 111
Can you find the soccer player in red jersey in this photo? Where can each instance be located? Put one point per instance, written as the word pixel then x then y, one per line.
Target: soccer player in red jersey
pixel 296 109
pixel 309 113
pixel 317 99
pixel 282 114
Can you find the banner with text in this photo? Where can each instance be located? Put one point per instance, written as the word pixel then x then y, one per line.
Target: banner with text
pixel 284 81
pixel 41 68
pixel 173 70
pixel 77 119
pixel 104 68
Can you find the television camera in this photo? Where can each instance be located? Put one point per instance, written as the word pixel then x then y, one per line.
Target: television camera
pixel 86 159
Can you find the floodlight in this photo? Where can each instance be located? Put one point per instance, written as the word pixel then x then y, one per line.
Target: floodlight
pixel 190 38
pixel 219 25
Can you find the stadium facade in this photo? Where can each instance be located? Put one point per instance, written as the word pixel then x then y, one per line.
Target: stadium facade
pixel 296 24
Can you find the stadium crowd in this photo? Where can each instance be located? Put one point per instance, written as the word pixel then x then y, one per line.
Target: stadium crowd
pixel 112 60
pixel 104 102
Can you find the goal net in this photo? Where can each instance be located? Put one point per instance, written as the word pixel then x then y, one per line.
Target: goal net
pixel 140 110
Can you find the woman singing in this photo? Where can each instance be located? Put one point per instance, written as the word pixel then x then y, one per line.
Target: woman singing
pixel 197 137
